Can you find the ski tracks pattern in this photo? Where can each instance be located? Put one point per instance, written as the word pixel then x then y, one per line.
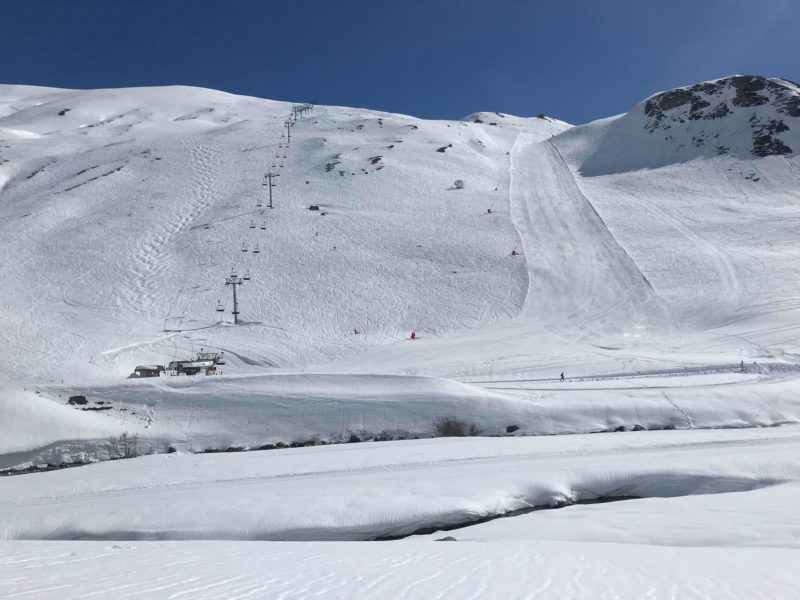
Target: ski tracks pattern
pixel 144 292
pixel 579 275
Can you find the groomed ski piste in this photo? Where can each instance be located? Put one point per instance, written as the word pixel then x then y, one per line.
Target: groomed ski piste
pixel 611 308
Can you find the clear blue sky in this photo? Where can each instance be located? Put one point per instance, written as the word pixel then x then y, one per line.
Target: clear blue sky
pixel 576 60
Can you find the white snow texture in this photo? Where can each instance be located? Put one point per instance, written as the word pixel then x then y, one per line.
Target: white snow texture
pixel 613 308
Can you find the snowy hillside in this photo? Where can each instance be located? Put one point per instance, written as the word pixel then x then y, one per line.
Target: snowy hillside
pixel 132 206
pixel 632 282
pixel 742 116
pixel 649 287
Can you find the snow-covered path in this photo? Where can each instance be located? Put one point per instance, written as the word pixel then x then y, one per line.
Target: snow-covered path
pixel 571 255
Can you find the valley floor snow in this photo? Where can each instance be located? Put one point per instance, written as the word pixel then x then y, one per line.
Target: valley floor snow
pixel 376 571
pixel 378 489
pixel 712 522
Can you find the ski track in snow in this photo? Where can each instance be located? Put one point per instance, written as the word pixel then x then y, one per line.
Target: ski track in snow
pixel 599 286
pixel 149 265
pixel 730 291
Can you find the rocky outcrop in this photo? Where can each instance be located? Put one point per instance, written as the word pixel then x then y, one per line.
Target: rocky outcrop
pixel 778 100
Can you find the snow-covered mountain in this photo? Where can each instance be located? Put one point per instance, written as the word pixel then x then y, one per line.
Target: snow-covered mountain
pixel 514 249
pixel 633 274
pixel 744 116
pixel 125 210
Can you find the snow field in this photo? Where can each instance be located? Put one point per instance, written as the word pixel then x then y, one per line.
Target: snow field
pixel 196 414
pixel 372 490
pixel 464 570
pixel 653 269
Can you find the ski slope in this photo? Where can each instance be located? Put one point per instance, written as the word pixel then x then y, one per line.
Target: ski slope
pixel 635 277
pixel 134 206
pixel 650 288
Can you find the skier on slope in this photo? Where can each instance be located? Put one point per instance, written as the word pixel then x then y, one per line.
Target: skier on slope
pixel 562 375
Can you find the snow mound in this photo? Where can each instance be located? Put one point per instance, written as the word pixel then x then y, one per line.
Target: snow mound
pixel 374 490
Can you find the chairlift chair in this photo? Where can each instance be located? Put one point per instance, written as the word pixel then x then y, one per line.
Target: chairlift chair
pixel 256 250
pixel 220 307
pixel 252 224
pixel 264 225
pixel 246 275
pixel 244 247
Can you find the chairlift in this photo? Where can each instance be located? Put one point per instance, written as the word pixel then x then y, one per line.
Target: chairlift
pixel 252 224
pixel 244 247
pixel 258 204
pixel 246 275
pixel 220 307
pixel 264 225
pixel 256 250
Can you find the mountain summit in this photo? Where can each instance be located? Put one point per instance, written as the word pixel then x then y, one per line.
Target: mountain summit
pixel 742 115
pixel 723 99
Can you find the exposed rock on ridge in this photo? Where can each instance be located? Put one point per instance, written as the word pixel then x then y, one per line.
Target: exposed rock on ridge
pixel 721 98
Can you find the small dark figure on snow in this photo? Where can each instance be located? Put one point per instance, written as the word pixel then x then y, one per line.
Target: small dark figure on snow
pixel 562 375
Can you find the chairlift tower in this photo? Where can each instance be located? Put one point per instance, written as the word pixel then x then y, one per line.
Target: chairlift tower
pixel 234 280
pixel 269 176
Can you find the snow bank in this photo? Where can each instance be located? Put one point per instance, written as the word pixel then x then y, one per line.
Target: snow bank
pixel 365 491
